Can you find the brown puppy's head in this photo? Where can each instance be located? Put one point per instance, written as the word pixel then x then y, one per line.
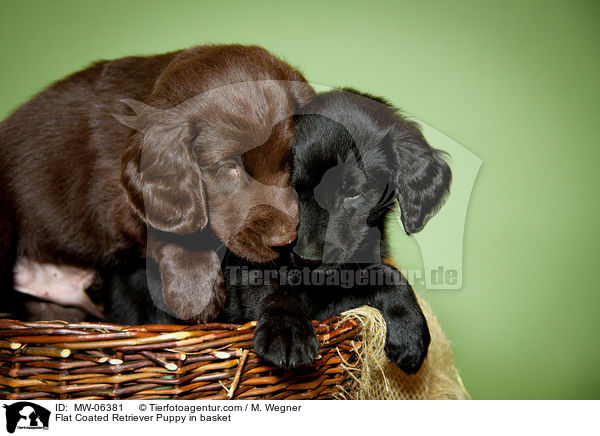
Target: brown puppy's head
pixel 212 143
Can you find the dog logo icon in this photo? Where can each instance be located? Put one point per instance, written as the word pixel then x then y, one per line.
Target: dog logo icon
pixel 26 415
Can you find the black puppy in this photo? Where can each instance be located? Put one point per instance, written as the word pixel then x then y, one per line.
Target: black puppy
pixel 354 155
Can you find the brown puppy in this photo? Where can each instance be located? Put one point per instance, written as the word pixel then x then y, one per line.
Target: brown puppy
pixel 209 142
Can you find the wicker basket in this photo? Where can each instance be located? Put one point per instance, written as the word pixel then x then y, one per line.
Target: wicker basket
pixel 59 360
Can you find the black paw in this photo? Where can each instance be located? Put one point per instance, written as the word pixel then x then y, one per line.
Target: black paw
pixel 407 345
pixel 286 340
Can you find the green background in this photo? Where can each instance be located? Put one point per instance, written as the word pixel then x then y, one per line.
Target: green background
pixel 516 83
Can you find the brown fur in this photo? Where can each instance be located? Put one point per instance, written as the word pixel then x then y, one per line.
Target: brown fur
pixel 211 138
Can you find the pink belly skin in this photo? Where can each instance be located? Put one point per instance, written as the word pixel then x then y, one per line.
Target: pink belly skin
pixel 60 284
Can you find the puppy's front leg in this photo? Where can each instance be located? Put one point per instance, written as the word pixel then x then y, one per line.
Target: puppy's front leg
pixel 285 335
pixel 192 282
pixel 407 337
pixel 407 334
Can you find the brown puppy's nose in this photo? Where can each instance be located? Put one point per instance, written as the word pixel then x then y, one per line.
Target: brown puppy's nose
pixel 281 241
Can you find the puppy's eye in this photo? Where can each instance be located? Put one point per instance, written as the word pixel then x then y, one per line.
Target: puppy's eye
pixel 229 170
pixel 351 194
pixel 228 176
pixel 233 172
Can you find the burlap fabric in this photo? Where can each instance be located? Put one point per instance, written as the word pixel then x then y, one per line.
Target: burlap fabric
pixel 378 379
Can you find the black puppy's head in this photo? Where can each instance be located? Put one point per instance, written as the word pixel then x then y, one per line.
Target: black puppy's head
pixel 354 154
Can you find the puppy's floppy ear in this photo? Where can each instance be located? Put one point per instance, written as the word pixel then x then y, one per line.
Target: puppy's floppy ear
pixel 420 174
pixel 160 173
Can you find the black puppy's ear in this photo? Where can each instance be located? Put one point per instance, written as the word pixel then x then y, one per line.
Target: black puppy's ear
pixel 160 173
pixel 421 176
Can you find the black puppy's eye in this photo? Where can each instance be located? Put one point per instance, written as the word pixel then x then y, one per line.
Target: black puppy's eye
pixel 352 194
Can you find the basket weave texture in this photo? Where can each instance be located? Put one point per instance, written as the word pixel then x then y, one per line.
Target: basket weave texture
pixel 59 360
